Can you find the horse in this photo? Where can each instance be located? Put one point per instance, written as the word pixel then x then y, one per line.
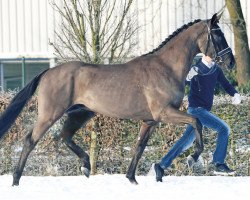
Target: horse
pixel 148 88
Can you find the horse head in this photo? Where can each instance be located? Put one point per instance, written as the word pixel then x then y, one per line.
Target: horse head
pixel 214 43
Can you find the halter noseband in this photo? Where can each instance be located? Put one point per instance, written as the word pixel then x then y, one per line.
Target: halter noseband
pixel 218 55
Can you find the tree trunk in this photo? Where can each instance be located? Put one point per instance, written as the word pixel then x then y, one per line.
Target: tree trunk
pixel 93 153
pixel 92 31
pixel 242 52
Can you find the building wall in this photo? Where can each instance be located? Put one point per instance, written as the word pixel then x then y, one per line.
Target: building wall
pixel 27 26
pixel 168 15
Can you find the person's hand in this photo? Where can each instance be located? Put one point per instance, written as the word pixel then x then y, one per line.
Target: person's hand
pixel 236 99
pixel 191 73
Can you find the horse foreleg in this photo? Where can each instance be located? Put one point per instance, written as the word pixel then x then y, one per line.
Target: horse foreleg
pixel 73 123
pixel 146 130
pixel 176 116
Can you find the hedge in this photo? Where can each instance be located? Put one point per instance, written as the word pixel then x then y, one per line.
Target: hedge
pixel 116 141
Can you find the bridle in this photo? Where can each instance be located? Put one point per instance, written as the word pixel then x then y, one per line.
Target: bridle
pixel 219 55
pixel 218 58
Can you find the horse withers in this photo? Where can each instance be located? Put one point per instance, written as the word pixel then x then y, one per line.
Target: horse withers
pixel 149 88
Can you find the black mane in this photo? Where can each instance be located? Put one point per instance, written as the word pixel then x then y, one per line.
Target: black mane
pixel 184 27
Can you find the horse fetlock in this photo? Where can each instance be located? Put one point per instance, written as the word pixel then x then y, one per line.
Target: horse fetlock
pixel 86 168
pixel 85 171
pixel 198 151
pixel 86 163
pixel 16 178
pixel 195 156
pixel 131 179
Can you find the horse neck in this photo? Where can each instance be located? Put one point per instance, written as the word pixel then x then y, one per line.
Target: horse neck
pixel 180 51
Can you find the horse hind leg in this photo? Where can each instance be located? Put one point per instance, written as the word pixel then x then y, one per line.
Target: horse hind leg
pixel 75 120
pixel 30 141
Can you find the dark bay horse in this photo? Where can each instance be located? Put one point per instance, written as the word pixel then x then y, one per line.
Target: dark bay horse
pixel 149 88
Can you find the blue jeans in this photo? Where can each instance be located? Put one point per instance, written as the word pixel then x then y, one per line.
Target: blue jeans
pixel 186 141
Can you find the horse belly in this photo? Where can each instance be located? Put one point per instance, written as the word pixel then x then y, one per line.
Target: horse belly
pixel 120 106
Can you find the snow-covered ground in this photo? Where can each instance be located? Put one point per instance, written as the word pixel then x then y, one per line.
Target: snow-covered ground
pixel 117 187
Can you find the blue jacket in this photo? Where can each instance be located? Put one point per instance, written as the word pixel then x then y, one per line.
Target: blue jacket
pixel 202 87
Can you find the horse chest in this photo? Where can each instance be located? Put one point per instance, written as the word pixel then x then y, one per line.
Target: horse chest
pixel 173 97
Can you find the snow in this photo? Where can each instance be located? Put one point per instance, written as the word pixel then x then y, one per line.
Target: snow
pixel 117 187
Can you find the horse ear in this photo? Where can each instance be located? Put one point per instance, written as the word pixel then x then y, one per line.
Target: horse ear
pixel 219 16
pixel 216 17
pixel 214 20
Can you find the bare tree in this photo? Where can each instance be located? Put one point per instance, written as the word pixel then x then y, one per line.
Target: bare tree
pixel 93 30
pixel 241 41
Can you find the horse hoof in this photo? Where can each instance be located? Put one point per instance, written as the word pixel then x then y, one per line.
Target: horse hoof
pixel 85 171
pixel 15 183
pixel 133 181
pixel 16 178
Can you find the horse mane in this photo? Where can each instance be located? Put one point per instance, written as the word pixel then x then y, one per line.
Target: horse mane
pixel 175 33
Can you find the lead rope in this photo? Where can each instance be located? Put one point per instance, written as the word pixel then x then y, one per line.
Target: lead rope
pixel 211 71
pixel 199 86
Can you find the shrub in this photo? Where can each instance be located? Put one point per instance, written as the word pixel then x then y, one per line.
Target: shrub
pixel 116 140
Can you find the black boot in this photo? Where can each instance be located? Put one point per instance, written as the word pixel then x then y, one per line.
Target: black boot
pixel 159 172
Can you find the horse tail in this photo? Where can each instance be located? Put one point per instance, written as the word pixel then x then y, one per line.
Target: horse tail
pixel 16 105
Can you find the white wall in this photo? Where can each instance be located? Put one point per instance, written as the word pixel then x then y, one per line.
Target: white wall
pixel 172 14
pixel 27 26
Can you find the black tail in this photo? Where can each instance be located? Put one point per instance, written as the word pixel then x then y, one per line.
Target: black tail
pixel 9 116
